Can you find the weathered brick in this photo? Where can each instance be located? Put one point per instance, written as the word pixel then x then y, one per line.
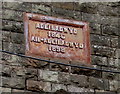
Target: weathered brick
pixel 103 91
pixel 63 5
pixel 19 61
pixel 18 71
pixel 99 83
pixel 87 7
pixel 31 92
pixel 1 44
pixel 72 88
pixel 15 48
pixel 6 36
pixel 38 86
pixel 114 42
pixel 40 74
pixel 62 13
pixel 31 73
pixel 77 15
pixel 110 76
pixel 108 20
pixel 95 28
pixel 117 53
pixel 20 6
pixel 0 12
pixel 1 32
pixel 39 64
pixel 1 70
pixel 103 51
pixel 17 38
pixel 48 75
pixel 119 41
pixel 14 60
pixel 95 18
pixel 56 87
pixel 64 78
pixel 12 26
pixel 92 18
pixel 28 73
pixel 58 67
pixel 105 10
pixel 12 15
pixel 0 5
pixel 43 3
pixel 113 62
pixel 26 62
pixel 6 71
pixel 100 40
pixel 6 57
pixel 118 77
pixel 113 4
pixel 114 85
pixel 97 60
pixel 5 90
pixel 0 24
pixel 79 80
pixel 17 91
pixel 110 30
pixel 42 9
pixel 13 82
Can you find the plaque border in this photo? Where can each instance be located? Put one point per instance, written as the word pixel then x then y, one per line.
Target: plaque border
pixel 58 20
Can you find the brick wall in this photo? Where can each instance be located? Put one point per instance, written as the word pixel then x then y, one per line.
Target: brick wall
pixel 26 75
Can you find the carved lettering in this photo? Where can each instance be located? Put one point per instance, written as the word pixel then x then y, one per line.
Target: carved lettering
pixel 54 42
pixel 44 40
pixel 46 26
pixel 61 42
pixel 70 30
pixel 62 50
pixel 49 34
pixel 56 49
pixel 49 41
pixel 58 42
pixel 71 44
pixel 76 45
pixel 75 31
pixel 55 35
pixel 65 30
pixel 81 46
pixel 32 38
pixel 58 28
pixel 66 44
pixel 35 39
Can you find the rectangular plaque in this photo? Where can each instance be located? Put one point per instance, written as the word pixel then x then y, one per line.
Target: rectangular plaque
pixel 57 39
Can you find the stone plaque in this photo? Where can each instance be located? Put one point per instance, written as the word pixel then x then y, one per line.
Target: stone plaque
pixel 57 39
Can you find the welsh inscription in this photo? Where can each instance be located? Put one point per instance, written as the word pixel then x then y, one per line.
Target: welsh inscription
pixel 56 35
pixel 57 38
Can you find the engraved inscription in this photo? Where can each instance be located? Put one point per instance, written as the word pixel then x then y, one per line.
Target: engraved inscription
pixel 56 28
pixel 57 38
pixel 56 35
pixel 57 42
